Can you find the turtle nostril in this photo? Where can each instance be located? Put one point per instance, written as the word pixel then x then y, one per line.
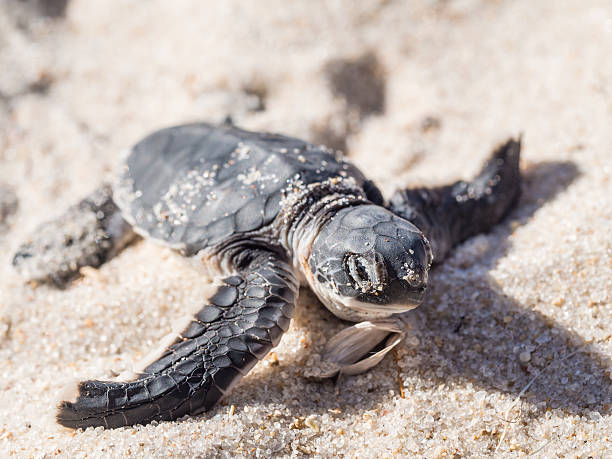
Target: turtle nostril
pixel 416 279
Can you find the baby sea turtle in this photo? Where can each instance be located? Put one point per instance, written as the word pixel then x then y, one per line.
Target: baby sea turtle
pixel 265 213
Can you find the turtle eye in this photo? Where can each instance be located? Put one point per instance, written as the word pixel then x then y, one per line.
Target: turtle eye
pixel 366 272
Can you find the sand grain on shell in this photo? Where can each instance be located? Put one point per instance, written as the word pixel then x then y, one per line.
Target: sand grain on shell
pixel 533 297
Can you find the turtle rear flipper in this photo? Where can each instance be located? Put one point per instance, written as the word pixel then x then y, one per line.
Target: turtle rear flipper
pixel 87 234
pixel 244 320
pixel 450 214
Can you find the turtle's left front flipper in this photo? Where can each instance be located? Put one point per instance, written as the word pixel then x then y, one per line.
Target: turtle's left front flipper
pixel 449 214
pixel 242 322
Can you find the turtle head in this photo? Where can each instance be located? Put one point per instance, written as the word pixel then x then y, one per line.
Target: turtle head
pixel 368 263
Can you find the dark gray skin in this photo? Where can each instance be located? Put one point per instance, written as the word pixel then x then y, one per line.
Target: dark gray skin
pixel 264 212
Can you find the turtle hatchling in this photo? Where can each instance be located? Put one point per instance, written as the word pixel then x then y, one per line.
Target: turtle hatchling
pixel 261 214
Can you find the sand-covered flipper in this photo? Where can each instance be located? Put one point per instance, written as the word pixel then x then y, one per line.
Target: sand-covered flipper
pixel 88 234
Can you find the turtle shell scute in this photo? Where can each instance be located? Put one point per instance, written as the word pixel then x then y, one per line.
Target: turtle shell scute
pixel 197 186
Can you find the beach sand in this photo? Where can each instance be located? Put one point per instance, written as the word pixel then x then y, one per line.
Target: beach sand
pixel 510 353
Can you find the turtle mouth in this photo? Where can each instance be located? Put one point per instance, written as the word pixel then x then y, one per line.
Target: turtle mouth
pixel 367 310
pixel 399 296
pixel 376 305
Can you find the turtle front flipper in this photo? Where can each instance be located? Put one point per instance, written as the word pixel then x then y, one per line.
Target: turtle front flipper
pixel 87 234
pixel 450 214
pixel 244 320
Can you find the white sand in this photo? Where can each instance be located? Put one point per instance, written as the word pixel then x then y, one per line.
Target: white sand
pixel 532 298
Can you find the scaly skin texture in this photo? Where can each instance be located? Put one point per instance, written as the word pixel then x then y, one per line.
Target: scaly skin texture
pixel 267 208
pixel 197 186
pixel 391 252
pixel 244 320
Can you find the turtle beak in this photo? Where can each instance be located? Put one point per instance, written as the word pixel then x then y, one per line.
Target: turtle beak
pixel 397 297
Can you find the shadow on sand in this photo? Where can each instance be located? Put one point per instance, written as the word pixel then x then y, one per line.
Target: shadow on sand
pixel 482 335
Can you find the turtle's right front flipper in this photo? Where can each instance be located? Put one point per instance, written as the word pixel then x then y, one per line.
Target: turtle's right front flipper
pixel 242 322
pixel 87 234
pixel 448 215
